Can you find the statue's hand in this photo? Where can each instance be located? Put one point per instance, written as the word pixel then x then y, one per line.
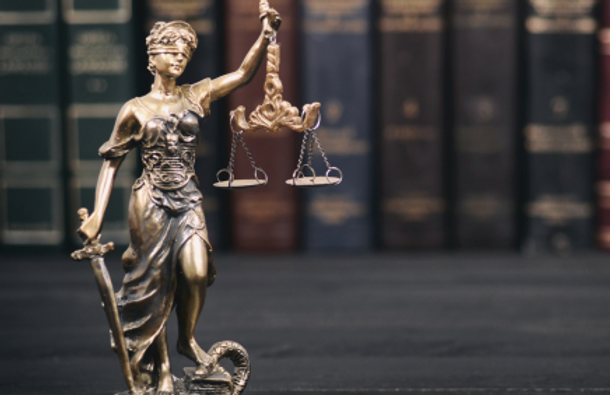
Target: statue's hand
pixel 90 228
pixel 271 22
pixel 275 20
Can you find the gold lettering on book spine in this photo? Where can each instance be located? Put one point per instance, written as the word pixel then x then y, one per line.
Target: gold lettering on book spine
pixel 558 209
pixel 484 207
pixel 411 16
pixel 336 210
pixel 190 11
pixel 335 16
pixel 484 14
pixel 565 139
pixel 414 208
pixel 562 16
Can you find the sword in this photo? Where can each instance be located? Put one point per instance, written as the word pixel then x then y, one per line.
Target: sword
pixel 95 251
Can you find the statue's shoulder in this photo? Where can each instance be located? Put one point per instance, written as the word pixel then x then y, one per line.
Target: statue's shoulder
pixel 132 106
pixel 134 110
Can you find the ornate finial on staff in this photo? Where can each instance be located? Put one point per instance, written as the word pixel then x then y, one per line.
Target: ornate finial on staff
pixel 275 112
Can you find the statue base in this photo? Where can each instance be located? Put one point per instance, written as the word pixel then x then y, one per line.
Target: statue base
pixel 220 382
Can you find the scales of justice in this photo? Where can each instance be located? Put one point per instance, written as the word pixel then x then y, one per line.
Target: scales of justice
pixel 169 260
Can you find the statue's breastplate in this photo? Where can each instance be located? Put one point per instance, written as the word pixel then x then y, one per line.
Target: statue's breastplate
pixel 168 150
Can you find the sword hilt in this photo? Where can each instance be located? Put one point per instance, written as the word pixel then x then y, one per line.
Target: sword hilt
pixel 92 248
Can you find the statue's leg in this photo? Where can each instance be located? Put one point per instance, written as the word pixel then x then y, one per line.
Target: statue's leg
pixel 193 260
pixel 165 383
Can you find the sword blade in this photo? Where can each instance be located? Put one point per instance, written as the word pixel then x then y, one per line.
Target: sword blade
pixel 104 284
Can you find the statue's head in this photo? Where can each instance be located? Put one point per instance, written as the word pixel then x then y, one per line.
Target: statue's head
pixel 170 37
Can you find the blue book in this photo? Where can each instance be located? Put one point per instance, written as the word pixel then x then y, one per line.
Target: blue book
pixel 31 186
pixel 337 72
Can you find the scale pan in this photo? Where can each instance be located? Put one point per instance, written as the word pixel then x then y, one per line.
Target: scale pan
pixel 240 184
pixel 313 182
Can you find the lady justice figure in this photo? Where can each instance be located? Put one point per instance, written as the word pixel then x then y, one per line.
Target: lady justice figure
pixel 169 260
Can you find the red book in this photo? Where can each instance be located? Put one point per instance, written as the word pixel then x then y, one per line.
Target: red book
pixel 603 184
pixel 265 218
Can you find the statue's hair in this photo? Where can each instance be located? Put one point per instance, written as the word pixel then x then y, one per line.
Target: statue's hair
pixel 168 33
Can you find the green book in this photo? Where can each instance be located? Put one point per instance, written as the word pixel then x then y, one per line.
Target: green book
pixel 101 76
pixel 31 187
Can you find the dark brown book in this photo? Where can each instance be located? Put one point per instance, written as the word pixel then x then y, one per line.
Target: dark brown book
pixel 411 110
pixel 263 218
pixel 484 79
pixel 603 182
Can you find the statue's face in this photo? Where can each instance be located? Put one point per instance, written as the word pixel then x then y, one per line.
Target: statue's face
pixel 170 64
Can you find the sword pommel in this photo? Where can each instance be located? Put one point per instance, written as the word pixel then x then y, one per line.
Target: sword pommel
pixel 83 214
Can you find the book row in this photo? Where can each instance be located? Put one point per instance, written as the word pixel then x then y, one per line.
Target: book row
pixel 457 124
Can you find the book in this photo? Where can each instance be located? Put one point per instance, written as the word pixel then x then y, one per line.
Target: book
pixel 266 218
pixel 603 163
pixel 411 108
pixel 31 152
pixel 101 78
pixel 206 62
pixel 560 116
pixel 484 122
pixel 337 58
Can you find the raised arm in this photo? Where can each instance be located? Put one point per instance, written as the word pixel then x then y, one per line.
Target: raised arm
pixel 227 83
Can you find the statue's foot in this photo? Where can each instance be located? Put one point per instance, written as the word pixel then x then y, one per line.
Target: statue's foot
pixel 191 350
pixel 165 385
pixel 208 370
pixel 207 367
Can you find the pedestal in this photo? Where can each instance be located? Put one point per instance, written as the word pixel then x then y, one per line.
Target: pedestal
pixel 218 383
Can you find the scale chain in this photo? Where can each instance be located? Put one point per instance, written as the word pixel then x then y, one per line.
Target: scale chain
pixel 243 144
pixel 302 153
pixel 232 157
pixel 315 137
pixel 310 149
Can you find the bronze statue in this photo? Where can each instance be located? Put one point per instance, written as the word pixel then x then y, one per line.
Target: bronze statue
pixel 169 260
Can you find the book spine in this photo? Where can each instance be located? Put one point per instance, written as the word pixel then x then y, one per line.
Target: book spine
pixel 101 77
pixel 31 184
pixel 337 72
pixel 560 114
pixel 484 128
pixel 411 70
pixel 264 218
pixel 203 17
pixel 603 182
